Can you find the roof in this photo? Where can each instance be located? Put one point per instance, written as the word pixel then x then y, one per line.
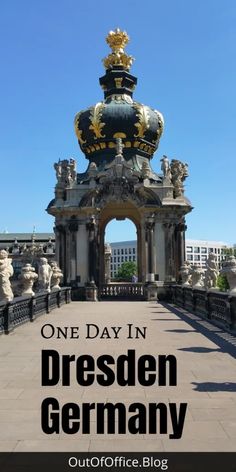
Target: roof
pixel 26 236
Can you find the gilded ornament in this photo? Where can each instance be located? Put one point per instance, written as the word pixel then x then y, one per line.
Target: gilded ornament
pixel 118 82
pixel 119 135
pixel 117 41
pixel 160 125
pixel 143 120
pixel 78 131
pixel 95 119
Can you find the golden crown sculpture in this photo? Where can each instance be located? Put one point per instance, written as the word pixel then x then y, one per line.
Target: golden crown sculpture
pixel 117 41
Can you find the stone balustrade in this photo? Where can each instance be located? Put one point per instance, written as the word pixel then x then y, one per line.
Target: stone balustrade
pixel 220 307
pixel 27 308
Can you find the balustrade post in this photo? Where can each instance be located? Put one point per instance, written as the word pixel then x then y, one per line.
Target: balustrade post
pixel 48 302
pixel 232 302
pixel 59 298
pixel 32 308
pixel 7 318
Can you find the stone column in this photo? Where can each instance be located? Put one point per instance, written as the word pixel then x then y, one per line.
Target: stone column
pixel 179 246
pixel 151 288
pixel 91 227
pixel 150 246
pixel 73 229
pixel 169 251
pixel 91 288
pixel 107 257
pixel 60 233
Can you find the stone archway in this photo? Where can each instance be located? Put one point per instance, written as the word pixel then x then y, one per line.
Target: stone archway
pixel 117 211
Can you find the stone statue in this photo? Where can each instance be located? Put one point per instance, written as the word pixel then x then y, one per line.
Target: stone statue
pixel 6 271
pixel 165 167
pixel 45 274
pixel 57 276
pixel 179 172
pixel 27 279
pixel 65 172
pixel 212 272
pixel 185 273
pixel 229 269
pixel 197 275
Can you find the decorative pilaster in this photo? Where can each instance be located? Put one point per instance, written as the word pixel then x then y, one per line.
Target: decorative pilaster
pixel 150 249
pixel 179 246
pixel 169 251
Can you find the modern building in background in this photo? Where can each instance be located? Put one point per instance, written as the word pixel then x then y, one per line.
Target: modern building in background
pixel 196 252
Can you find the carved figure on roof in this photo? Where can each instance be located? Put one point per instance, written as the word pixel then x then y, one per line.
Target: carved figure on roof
pixel 65 172
pixel 212 272
pixel 179 172
pixel 45 274
pixel 57 276
pixel 165 167
pixel 229 269
pixel 27 279
pixel 6 271
pixel 185 273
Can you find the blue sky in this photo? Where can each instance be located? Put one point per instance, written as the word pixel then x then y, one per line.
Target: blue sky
pixel 51 54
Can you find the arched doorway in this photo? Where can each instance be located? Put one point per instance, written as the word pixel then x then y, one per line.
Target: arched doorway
pixel 121 251
pixel 121 213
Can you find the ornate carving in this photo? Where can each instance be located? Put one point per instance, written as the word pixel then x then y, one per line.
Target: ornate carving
pixel 95 119
pixel 179 172
pixel 57 276
pixel 229 269
pixel 6 271
pixel 197 276
pixel 78 131
pixel 117 41
pixel 146 171
pixel 143 120
pixel 27 279
pixel 185 274
pixel 212 272
pixel 160 125
pixel 45 274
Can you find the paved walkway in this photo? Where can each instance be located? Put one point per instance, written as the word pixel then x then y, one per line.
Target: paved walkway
pixel 206 359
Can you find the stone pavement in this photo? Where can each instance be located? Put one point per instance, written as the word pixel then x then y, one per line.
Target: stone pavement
pixel 206 360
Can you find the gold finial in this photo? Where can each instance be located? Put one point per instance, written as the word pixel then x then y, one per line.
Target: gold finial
pixel 117 41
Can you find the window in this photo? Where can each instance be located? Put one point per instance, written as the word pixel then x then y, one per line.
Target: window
pixel 197 257
pixel 114 259
pixel 126 258
pixel 134 258
pixel 130 258
pixel 122 251
pixel 118 251
pixel 133 250
pixel 211 249
pixel 122 258
pixel 115 251
pixel 204 257
pixel 189 257
pixel 111 267
pixel 196 249
pixel 126 252
pixel 189 249
pixel 203 250
pixel 111 258
pixel 118 259
pixel 129 250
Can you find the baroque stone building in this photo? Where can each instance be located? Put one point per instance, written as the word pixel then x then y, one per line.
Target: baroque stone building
pixel 119 137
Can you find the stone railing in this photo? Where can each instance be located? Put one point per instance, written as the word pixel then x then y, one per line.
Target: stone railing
pixel 121 291
pixel 23 309
pixel 212 305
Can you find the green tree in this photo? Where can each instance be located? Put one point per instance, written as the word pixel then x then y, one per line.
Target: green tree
pixel 222 283
pixel 126 270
